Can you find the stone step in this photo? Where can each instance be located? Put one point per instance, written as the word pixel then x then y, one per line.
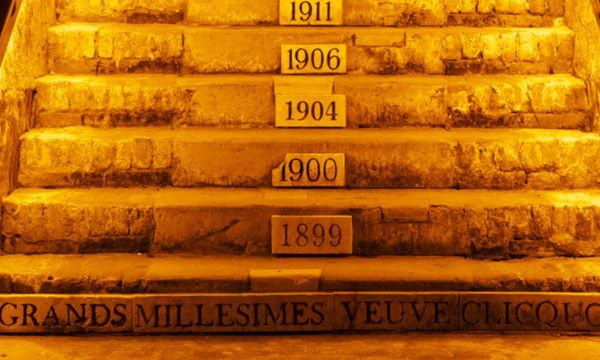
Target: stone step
pixel 208 221
pixel 134 294
pixel 382 346
pixel 140 274
pixel 527 101
pixel 375 158
pixel 131 48
pixel 355 12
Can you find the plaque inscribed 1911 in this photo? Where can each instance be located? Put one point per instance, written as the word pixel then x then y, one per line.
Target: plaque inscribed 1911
pixel 311 171
pixel 314 59
pixel 311 235
pixel 306 111
pixel 310 12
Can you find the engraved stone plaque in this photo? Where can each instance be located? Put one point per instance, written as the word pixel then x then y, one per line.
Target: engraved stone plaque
pixel 214 313
pixel 311 171
pixel 310 12
pixel 300 311
pixel 64 314
pixel 529 312
pixel 311 235
pixel 303 111
pixel 314 59
pixel 397 311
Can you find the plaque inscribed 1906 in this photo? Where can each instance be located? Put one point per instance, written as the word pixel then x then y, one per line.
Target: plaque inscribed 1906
pixel 310 12
pixel 311 171
pixel 314 59
pixel 311 235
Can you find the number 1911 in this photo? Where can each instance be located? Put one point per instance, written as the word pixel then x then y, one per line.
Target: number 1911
pixel 307 10
pixel 310 12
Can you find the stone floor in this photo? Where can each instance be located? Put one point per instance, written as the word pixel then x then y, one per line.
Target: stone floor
pixel 434 346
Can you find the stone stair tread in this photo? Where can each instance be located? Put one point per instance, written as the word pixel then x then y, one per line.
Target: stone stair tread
pixel 95 48
pixel 461 158
pixel 528 101
pixel 130 273
pixel 409 134
pixel 177 28
pixel 235 221
pixel 358 12
pixel 298 347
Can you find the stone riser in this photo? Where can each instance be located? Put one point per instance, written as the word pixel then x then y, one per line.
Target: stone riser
pixel 106 48
pixel 555 101
pixel 484 224
pixel 356 12
pixel 392 158
pixel 302 312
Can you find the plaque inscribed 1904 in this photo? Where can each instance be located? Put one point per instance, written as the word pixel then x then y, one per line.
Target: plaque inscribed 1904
pixel 311 235
pixel 310 111
pixel 311 171
pixel 310 12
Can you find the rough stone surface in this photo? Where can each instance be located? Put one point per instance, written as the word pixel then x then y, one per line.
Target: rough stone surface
pixel 323 346
pixel 581 18
pixel 356 12
pixel 25 60
pixel 395 158
pixel 136 274
pixel 104 48
pixel 542 101
pixel 486 224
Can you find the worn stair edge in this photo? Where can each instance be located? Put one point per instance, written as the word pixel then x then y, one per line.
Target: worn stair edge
pixel 533 101
pixel 375 158
pixel 355 12
pixel 328 347
pixel 136 274
pixel 126 48
pixel 482 224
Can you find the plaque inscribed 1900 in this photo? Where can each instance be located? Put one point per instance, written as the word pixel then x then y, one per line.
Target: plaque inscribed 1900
pixel 314 59
pixel 310 12
pixel 311 171
pixel 306 111
pixel 311 235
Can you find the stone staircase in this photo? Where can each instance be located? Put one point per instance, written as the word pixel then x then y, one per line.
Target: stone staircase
pixel 145 185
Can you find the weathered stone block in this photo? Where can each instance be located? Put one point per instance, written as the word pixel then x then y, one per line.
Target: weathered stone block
pixel 484 224
pixel 257 49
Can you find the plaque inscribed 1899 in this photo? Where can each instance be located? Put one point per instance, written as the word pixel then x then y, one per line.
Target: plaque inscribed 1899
pixel 311 235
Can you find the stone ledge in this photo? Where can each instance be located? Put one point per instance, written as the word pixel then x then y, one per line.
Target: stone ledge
pixel 301 312
pixel 356 12
pixel 485 224
pixel 136 274
pixel 504 159
pixel 532 101
pixel 106 48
